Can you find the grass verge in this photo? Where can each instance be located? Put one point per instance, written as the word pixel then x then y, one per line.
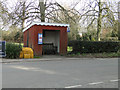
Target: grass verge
pixel 95 55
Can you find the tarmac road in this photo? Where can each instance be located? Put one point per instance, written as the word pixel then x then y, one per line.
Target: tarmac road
pixel 62 73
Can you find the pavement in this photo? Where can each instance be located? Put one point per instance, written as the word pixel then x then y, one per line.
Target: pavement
pixel 61 72
pixel 43 58
pixel 47 58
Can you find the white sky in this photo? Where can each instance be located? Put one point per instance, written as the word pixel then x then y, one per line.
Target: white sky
pixel 11 3
pixel 63 2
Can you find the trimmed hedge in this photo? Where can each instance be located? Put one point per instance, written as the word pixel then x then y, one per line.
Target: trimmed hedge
pixel 13 50
pixel 94 46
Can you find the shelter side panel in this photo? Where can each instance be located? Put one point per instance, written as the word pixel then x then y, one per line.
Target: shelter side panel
pixel 25 38
pixel 31 37
pixel 37 47
pixel 63 41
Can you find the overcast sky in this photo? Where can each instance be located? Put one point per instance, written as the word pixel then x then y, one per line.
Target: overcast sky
pixel 81 4
pixel 10 3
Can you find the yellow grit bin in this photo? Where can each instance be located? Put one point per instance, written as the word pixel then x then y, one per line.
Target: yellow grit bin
pixel 26 53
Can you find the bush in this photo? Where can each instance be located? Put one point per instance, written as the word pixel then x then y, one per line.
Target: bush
pixel 13 50
pixel 94 47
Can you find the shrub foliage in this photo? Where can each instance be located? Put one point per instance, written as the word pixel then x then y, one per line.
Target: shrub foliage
pixel 94 46
pixel 13 50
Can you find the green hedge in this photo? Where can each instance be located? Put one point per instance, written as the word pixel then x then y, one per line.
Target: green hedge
pixel 94 46
pixel 13 50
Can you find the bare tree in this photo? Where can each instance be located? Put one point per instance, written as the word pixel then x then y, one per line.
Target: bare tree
pixel 3 18
pixel 21 13
pixel 39 10
pixel 4 14
pixel 99 11
pixel 48 10
pixel 69 15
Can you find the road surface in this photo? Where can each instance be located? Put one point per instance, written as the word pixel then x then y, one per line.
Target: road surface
pixel 62 73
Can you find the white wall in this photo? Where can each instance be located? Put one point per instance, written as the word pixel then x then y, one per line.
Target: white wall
pixel 52 37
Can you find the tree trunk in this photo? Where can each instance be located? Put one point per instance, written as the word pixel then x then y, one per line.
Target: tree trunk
pixel 23 23
pixel 99 21
pixel 118 20
pixel 42 10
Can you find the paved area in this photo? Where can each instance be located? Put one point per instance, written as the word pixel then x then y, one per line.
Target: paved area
pixel 43 58
pixel 62 73
pixel 48 58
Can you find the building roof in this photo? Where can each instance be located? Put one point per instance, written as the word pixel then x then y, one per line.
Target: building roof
pixel 46 24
